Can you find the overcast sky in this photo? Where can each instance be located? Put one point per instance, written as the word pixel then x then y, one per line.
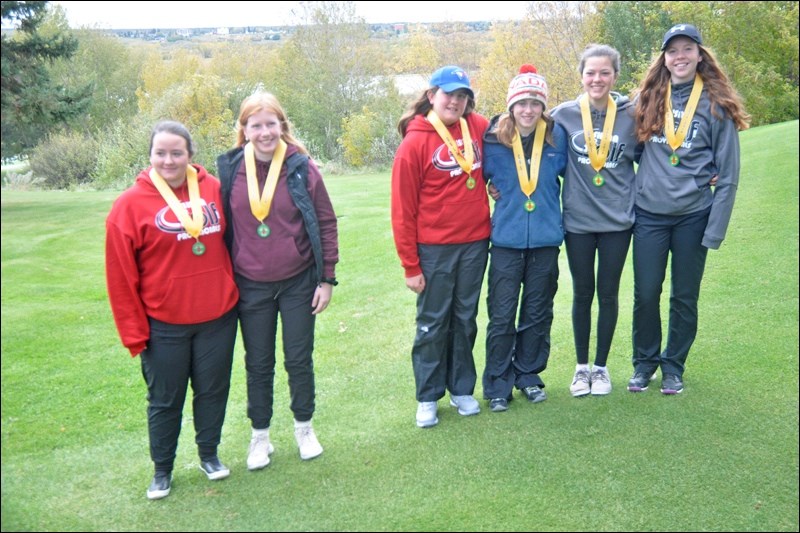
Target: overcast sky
pixel 205 14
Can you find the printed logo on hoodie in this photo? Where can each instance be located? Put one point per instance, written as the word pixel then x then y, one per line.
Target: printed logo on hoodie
pixel 443 160
pixel 577 145
pixel 172 225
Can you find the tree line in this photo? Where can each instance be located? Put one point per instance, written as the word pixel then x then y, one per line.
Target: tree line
pixel 80 103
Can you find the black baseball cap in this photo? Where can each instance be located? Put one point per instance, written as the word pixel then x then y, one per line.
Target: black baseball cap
pixel 682 30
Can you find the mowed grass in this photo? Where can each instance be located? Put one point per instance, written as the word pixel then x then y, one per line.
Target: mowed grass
pixel 721 456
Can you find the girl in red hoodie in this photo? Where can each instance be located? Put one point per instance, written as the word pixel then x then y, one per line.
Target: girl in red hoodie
pixel 172 293
pixel 440 220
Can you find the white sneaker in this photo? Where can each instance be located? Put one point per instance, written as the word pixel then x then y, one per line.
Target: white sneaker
pixel 467 405
pixel 601 382
pixel 426 414
pixel 580 383
pixel 307 441
pixel 259 451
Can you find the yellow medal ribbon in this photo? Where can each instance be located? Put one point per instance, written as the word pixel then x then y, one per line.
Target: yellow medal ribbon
pixel 528 182
pixel 194 224
pixel 675 139
pixel 260 206
pixel 465 159
pixel 597 158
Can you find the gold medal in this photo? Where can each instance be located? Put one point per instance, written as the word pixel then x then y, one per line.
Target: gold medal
pixel 260 205
pixel 598 156
pixel 675 138
pixel 530 206
pixel 193 225
pixel 465 160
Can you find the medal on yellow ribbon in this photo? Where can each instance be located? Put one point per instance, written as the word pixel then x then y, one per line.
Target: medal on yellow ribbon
pixel 676 138
pixel 466 159
pixel 597 157
pixel 529 177
pixel 260 205
pixel 192 225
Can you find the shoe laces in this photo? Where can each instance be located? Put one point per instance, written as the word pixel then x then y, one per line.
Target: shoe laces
pixel 581 375
pixel 427 407
pixel 305 433
pixel 599 375
pixel 259 439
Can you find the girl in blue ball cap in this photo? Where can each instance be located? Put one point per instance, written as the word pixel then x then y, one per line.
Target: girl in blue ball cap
pixel 440 220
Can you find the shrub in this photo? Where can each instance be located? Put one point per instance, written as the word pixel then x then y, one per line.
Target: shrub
pixel 368 139
pixel 65 160
pixel 123 152
pixel 21 181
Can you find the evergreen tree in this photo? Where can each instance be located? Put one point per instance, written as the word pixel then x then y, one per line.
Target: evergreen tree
pixel 32 105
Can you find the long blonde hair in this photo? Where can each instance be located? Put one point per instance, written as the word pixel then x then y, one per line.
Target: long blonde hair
pixel 652 92
pixel 262 101
pixel 423 105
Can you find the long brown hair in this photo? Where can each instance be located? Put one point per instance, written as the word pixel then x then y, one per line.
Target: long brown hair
pixel 422 106
pixel 507 126
pixel 653 90
pixel 262 101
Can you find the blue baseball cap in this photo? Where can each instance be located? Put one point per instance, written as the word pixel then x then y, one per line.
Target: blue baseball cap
pixel 451 78
pixel 681 30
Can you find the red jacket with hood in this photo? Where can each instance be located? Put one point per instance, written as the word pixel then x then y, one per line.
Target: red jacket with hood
pixel 431 203
pixel 150 268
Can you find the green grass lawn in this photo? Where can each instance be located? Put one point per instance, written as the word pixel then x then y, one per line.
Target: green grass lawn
pixel 721 456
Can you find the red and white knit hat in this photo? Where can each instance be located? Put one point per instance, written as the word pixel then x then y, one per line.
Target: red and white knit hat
pixel 527 84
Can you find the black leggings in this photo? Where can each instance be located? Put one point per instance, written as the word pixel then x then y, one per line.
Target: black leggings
pixel 611 249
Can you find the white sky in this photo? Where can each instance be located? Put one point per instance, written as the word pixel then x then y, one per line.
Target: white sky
pixel 205 14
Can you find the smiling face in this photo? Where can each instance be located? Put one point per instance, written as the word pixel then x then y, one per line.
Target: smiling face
pixel 598 80
pixel 526 114
pixel 449 106
pixel 169 155
pixel 263 130
pixel 681 57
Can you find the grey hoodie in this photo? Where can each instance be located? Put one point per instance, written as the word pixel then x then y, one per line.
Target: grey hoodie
pixel 587 207
pixel 711 148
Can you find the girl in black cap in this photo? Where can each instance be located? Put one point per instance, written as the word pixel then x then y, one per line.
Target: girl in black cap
pixel 688 115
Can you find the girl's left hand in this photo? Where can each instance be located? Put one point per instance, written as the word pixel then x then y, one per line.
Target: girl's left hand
pixel 322 297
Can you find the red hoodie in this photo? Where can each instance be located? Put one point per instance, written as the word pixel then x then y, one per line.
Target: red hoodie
pixel 431 203
pixel 150 268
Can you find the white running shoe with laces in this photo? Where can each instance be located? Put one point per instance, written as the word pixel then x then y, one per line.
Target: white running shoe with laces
pixel 601 382
pixel 580 383
pixel 259 451
pixel 306 440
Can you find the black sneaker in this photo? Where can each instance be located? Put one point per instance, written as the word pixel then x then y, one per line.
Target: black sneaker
pixel 640 381
pixel 498 405
pixel 671 384
pixel 534 394
pixel 160 486
pixel 214 469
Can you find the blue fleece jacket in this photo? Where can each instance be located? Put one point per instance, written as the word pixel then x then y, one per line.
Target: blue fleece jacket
pixel 512 225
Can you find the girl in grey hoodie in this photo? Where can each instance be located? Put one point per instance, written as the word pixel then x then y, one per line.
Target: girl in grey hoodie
pixel 688 116
pixel 598 207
